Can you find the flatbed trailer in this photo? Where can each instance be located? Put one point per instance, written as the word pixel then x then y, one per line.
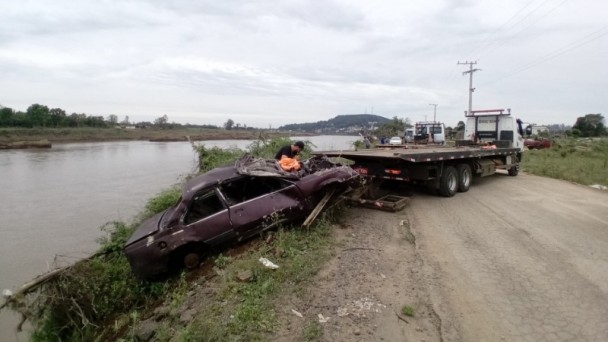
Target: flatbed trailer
pixel 447 169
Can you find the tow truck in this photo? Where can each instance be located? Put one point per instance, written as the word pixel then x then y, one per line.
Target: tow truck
pixel 493 140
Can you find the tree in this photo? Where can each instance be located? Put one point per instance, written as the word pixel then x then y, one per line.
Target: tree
pixel 112 120
pixel 38 115
pixel 6 117
pixel 460 126
pixel 395 127
pixel 76 120
pixel 57 117
pixel 161 121
pixel 125 121
pixel 229 124
pixel 590 125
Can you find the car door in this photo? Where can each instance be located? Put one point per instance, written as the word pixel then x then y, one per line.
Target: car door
pixel 207 218
pixel 257 202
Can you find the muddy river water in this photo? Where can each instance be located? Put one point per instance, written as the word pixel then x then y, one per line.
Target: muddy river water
pixel 54 201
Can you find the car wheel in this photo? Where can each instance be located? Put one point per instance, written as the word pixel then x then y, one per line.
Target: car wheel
pixel 464 177
pixel 448 183
pixel 189 256
pixel 192 260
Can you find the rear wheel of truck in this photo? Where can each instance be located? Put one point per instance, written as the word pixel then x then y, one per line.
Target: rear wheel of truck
pixel 448 183
pixel 514 170
pixel 465 176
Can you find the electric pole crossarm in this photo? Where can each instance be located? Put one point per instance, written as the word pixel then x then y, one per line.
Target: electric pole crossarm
pixel 471 89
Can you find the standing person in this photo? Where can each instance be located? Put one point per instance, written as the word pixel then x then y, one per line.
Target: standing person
pixel 290 151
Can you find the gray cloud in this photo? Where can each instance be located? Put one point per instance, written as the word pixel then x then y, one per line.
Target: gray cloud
pixel 257 60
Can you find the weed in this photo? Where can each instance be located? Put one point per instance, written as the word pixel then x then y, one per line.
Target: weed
pixel 407 310
pixel 313 331
pixel 582 161
pixel 163 201
pixel 222 261
pixel 210 158
pixel 100 299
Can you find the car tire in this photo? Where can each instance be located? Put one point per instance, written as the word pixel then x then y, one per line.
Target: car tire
pixel 188 257
pixel 465 177
pixel 448 183
pixel 192 260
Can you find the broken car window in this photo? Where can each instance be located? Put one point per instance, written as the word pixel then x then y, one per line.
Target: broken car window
pixel 246 188
pixel 203 205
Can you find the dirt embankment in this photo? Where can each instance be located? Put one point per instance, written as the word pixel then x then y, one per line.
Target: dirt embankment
pixel 54 135
pixel 514 259
pixel 361 292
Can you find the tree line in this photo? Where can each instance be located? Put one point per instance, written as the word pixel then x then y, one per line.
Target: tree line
pixel 38 115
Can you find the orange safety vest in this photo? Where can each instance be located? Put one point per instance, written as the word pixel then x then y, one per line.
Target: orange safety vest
pixel 289 164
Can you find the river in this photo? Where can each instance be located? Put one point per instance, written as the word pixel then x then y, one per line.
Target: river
pixel 54 201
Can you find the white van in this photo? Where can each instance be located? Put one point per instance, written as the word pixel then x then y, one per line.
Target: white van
pixel 409 135
pixel 429 132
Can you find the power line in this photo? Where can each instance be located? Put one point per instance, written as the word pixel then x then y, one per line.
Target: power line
pixel 567 48
pixel 503 42
pixel 485 41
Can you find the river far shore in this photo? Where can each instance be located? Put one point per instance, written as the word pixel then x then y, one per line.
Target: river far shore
pixel 27 137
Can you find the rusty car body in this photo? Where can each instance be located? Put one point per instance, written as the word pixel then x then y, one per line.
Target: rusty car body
pixel 230 204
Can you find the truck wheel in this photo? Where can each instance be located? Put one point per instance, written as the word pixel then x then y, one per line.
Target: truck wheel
pixel 464 177
pixel 448 183
pixel 514 170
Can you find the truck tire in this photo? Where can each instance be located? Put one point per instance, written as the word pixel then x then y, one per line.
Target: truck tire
pixel 448 183
pixel 514 170
pixel 465 176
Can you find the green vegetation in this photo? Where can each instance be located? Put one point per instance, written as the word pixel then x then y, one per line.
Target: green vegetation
pixel 583 161
pixel 99 299
pixel 313 331
pixel 590 125
pixel 77 134
pixel 338 124
pixel 73 306
pixel 407 310
pixel 392 128
pixel 245 311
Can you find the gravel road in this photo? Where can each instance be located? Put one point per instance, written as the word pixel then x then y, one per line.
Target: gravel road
pixel 514 259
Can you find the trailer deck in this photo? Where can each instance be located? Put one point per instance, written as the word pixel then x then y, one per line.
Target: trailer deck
pixel 421 154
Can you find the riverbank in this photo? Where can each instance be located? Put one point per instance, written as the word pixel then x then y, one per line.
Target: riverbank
pixel 12 136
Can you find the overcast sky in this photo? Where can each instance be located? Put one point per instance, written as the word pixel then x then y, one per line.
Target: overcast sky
pixel 270 63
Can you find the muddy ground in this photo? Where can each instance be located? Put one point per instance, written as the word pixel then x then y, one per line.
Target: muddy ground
pixel 514 259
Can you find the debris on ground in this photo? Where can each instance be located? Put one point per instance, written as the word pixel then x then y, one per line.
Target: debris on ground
pixel 268 263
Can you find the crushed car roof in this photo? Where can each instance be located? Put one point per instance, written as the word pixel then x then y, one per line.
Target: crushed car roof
pixel 248 165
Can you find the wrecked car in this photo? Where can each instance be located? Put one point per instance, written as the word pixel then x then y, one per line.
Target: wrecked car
pixel 229 204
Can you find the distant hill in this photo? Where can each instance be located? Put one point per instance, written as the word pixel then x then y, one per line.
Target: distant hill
pixel 346 123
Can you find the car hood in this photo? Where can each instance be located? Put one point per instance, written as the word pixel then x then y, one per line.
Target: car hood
pixel 149 226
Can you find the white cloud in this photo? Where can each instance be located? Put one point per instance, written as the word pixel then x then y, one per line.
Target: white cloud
pixel 272 63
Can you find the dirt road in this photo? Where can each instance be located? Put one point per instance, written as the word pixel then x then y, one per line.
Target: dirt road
pixel 514 259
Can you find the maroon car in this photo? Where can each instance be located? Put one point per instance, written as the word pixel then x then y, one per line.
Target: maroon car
pixel 230 204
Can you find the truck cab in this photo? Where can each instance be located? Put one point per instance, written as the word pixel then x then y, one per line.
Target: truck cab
pixel 493 126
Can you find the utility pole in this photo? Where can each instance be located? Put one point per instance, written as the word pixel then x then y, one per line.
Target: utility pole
pixel 434 111
pixel 471 89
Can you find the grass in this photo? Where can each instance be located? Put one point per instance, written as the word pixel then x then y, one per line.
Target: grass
pixel 78 134
pixel 246 311
pixel 99 299
pixel 313 331
pixel 583 161
pixel 407 310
